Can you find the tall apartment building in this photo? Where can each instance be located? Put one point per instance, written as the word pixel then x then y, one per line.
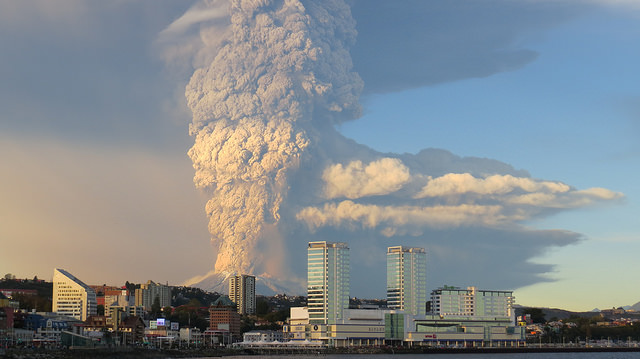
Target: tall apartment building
pixel 454 301
pixel 147 293
pixel 71 296
pixel 242 291
pixel 327 281
pixel 406 279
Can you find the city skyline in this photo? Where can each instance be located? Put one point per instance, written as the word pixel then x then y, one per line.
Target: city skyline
pixel 495 135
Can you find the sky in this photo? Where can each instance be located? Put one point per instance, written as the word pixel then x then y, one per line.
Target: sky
pixel 94 135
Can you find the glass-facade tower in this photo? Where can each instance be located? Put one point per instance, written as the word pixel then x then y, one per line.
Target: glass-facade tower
pixel 406 279
pixel 327 281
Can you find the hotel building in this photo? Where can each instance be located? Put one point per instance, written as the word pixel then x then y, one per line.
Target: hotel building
pixel 406 279
pixel 327 281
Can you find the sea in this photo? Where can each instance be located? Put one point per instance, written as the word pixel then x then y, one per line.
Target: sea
pixel 599 355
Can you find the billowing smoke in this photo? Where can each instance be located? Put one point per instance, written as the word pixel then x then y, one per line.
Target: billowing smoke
pixel 285 66
pixel 279 175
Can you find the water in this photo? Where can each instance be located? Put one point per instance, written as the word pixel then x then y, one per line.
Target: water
pixel 605 355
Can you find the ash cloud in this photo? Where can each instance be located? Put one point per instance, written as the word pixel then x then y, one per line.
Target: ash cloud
pixel 278 174
pixel 422 43
pixel 254 109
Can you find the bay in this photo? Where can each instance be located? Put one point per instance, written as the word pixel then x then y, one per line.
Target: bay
pixel 600 355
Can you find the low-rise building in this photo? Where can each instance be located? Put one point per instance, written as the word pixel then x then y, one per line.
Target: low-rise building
pixel 191 336
pixel 266 336
pixel 463 317
pixel 132 330
pixel 358 327
pixel 48 327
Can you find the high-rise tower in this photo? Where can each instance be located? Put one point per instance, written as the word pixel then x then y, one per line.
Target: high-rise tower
pixel 327 281
pixel 406 279
pixel 242 291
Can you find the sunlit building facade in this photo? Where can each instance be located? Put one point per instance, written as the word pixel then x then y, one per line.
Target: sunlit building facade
pixel 407 279
pixel 327 281
pixel 242 291
pixel 454 301
pixel 71 297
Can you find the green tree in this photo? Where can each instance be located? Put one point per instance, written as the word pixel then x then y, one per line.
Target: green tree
pixel 262 307
pixel 37 302
pixel 537 315
pixel 156 310
pixel 247 324
pixel 167 311
pixel 100 309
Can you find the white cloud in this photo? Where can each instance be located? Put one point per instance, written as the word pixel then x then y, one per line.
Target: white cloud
pixel 403 219
pixel 464 183
pixel 494 201
pixel 356 180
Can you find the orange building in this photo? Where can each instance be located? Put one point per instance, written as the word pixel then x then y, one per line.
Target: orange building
pixel 223 316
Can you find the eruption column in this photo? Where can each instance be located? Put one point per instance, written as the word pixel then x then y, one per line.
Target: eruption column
pixel 256 108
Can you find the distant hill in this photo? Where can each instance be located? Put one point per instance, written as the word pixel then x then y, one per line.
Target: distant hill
pixel 565 314
pixel 554 313
pixel 635 307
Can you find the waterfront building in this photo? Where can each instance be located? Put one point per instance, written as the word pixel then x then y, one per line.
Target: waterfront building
pixel 71 297
pixel 264 336
pixel 47 328
pixel 406 279
pixel 357 327
pixel 242 291
pixel 459 331
pixel 460 317
pixel 327 281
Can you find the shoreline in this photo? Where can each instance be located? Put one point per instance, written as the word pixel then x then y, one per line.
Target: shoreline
pixel 127 353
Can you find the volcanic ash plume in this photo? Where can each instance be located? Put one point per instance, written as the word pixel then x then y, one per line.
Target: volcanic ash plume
pixel 252 115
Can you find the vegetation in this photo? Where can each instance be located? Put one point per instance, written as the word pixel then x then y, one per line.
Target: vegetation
pixel 192 314
pixel 577 329
pixel 537 315
pixel 183 295
pixel 41 301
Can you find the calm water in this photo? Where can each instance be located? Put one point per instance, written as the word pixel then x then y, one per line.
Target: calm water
pixel 634 355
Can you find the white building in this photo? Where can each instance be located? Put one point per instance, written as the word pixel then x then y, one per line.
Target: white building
pixel 407 279
pixel 242 291
pixel 357 327
pixel 266 336
pixel 454 301
pixel 327 281
pixel 72 297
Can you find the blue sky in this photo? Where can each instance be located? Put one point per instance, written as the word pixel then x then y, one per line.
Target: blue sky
pixel 94 131
pixel 570 115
